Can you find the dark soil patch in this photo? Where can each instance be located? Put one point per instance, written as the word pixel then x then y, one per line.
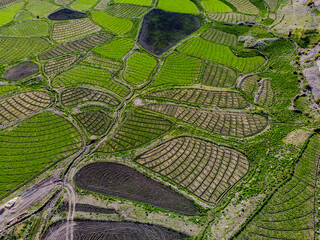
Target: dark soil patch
pixel 21 71
pixel 81 207
pixel 66 14
pixel 112 231
pixel 161 29
pixel 121 181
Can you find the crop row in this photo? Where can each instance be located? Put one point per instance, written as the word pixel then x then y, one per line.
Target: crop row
pixel 20 105
pixel 215 6
pixel 231 18
pixel 64 31
pixel 290 212
pixel 121 181
pixel 135 2
pixel 219 76
pixel 136 129
pixel 127 10
pixel 139 67
pixel 204 49
pixel 220 37
pixel 13 48
pixel 32 146
pixel 245 6
pixel 205 169
pixel 98 61
pixel 76 46
pixel 179 69
pixel 221 122
pixel 112 230
pixel 86 75
pixel 180 6
pixel 249 84
pixel 115 49
pixel 59 64
pixel 75 96
pixel 7 2
pixel 265 94
pixel 33 28
pixel 95 122
pixel 222 99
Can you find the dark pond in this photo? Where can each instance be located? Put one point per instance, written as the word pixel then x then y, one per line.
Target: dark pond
pixel 66 14
pixel 21 71
pixel 161 29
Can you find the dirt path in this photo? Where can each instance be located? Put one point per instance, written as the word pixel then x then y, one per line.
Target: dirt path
pixel 72 208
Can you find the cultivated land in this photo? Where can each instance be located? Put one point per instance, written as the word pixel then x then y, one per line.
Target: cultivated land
pixel 159 119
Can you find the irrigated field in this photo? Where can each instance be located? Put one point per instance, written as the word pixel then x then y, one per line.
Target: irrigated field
pixel 221 99
pixel 235 124
pixel 203 168
pixel 32 146
pixel 121 181
pixel 113 230
pixel 136 129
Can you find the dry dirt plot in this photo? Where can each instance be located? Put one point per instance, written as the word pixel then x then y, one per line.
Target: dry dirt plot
pixel 203 168
pixel 121 181
pixel 21 71
pixel 112 230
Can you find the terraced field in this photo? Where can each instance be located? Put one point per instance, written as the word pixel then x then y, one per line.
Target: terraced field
pixel 98 61
pixel 221 122
pixel 136 129
pixel 245 6
pixel 218 76
pixel 215 6
pixel 205 169
pixel 220 37
pixel 21 105
pixel 115 49
pixel 249 84
pixel 34 145
pixel 59 64
pixel 121 181
pixel 30 28
pixel 127 10
pixel 95 122
pixel 221 99
pixel 135 2
pixel 180 6
pixel 265 95
pixel 231 18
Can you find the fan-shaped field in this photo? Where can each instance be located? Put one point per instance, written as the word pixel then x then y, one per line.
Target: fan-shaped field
pixel 232 18
pixel 116 25
pixel 205 169
pixel 21 71
pixel 127 10
pixel 40 8
pixel 59 64
pixel 20 105
pixel 76 46
pixel 245 6
pixel 221 122
pixel 218 76
pixel 121 181
pixel 220 37
pixel 32 28
pixel 139 67
pixel 83 4
pixel 32 146
pixel 64 31
pixel 135 130
pixel 75 96
pixel 8 13
pixel 113 231
pixel 179 69
pixel 98 61
pixel 86 75
pixel 136 2
pixel 265 94
pixel 12 48
pixel 115 49
pixel 201 48
pixel 249 84
pixel 290 212
pixel 215 6
pixel 222 99
pixel 95 122
pixel 180 6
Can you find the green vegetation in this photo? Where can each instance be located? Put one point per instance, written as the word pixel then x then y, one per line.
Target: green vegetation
pixel 220 37
pixel 116 25
pixel 4 89
pixel 231 18
pixel 115 49
pixel 180 6
pixel 136 2
pixel 41 8
pixel 220 54
pixel 127 10
pixel 218 76
pixel 245 6
pixel 215 6
pixel 178 69
pixel 26 29
pixel 81 5
pixel 8 13
pixel 32 146
pixel 138 68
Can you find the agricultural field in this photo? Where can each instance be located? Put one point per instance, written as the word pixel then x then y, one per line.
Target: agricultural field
pixel 159 119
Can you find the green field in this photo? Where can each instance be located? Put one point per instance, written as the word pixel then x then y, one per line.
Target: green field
pixel 138 68
pixel 135 2
pixel 41 8
pixel 82 5
pixel 26 29
pixel 8 13
pixel 220 54
pixel 180 6
pixel 215 6
pixel 115 49
pixel 127 10
pixel 34 145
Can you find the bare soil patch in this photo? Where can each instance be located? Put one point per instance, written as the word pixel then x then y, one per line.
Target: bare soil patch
pixel 21 71
pixel 297 137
